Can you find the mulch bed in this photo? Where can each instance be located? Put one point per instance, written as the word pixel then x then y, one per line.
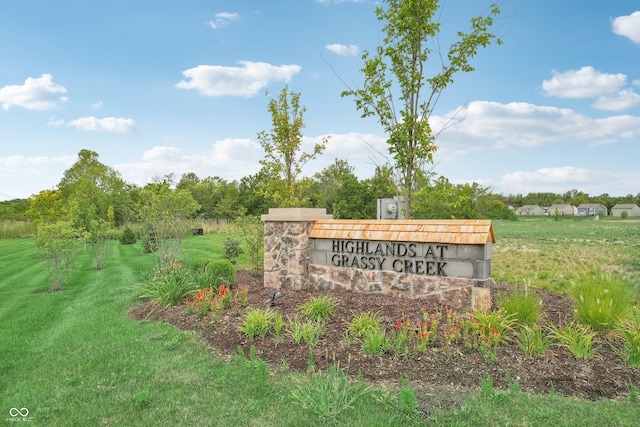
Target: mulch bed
pixel 441 379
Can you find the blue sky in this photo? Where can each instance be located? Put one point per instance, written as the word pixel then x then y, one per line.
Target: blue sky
pixel 176 86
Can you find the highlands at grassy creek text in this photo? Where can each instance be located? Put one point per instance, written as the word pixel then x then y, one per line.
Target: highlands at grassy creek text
pixel 415 258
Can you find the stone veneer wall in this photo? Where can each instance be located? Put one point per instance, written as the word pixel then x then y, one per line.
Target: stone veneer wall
pixel 286 247
pixel 293 261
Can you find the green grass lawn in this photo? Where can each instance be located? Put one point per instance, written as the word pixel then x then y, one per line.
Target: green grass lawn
pixel 74 358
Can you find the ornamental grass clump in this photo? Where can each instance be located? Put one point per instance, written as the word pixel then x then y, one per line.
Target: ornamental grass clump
pixel 602 301
pixel 169 285
pixel 364 322
pixel 629 332
pixel 319 308
pixel 577 337
pixel 257 322
pixel 308 330
pixel 532 341
pixel 524 306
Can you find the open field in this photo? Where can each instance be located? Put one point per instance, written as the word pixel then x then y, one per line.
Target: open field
pixel 75 358
pixel 553 254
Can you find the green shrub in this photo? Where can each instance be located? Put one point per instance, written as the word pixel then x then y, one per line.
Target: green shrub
pixel 128 237
pixel 232 249
pixel 319 308
pixel 524 306
pixel 602 301
pixel 149 240
pixel 222 272
pixel 211 272
pixel 169 285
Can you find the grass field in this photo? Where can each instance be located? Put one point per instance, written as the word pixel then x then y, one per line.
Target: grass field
pixel 553 254
pixel 74 358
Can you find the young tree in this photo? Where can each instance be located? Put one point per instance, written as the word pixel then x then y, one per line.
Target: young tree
pixel 57 247
pixel 251 231
pixel 166 214
pixel 411 36
pixel 100 243
pixel 284 159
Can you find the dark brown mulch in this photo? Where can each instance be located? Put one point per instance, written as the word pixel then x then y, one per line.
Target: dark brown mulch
pixel 442 379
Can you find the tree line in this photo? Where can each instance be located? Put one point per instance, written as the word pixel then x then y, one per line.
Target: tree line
pixel 90 190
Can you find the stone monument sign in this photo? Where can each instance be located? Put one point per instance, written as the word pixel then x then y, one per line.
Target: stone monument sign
pixel 450 259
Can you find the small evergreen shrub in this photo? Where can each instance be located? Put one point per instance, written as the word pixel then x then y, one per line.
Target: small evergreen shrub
pixel 149 240
pixel 232 249
pixel 211 272
pixel 128 237
pixel 221 272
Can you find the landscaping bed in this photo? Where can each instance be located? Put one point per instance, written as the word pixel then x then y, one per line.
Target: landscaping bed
pixel 442 376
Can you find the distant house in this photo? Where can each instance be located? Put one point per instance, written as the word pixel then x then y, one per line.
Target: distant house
pixel 562 209
pixel 631 209
pixel 592 209
pixel 530 210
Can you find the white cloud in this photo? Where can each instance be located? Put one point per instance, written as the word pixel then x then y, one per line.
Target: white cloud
pixel 584 83
pixel 627 26
pixel 39 93
pixel 223 18
pixel 231 158
pixel 489 125
pixel 619 101
pixel 107 124
pixel 343 50
pixel 161 154
pixel 97 105
pixel 246 81
pixel 54 121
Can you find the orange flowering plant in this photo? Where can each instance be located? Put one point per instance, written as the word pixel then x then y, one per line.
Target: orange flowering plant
pixel 207 300
pixel 488 329
pixel 419 329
